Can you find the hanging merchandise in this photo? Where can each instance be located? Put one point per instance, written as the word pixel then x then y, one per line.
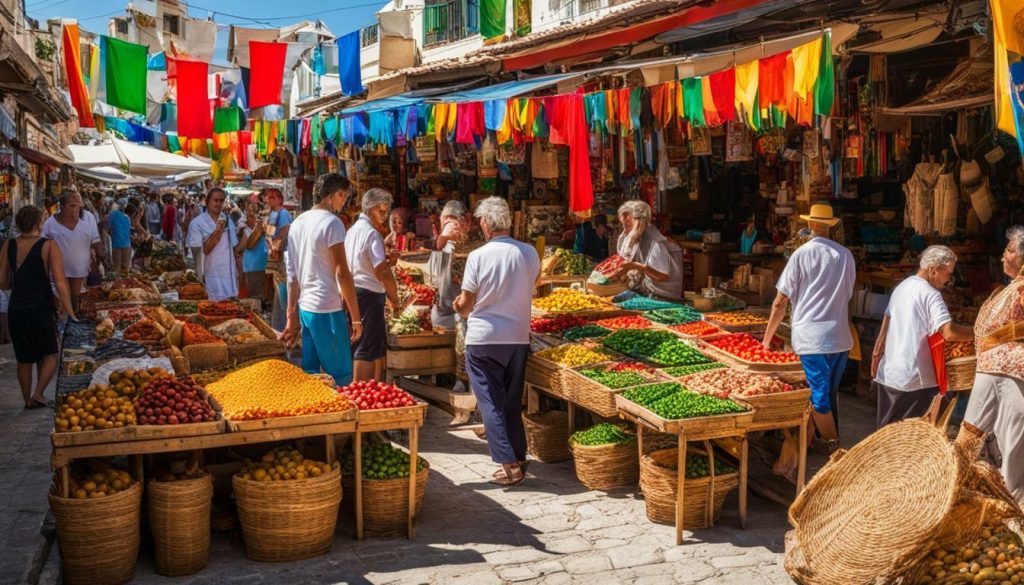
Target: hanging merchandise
pixel 700 141
pixel 492 19
pixel 543 160
pixel 522 11
pixel 739 143
pixel 125 67
pixel 73 70
pixel 824 88
pixel 947 199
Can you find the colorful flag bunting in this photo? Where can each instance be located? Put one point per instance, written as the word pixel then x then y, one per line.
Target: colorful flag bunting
pixel 492 19
pixel 193 99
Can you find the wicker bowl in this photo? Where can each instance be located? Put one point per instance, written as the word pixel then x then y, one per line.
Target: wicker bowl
pixel 386 502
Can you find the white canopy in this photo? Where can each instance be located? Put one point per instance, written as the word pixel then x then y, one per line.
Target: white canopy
pixel 110 175
pixel 140 160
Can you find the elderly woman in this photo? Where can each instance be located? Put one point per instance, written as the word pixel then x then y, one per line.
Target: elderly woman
pixel 497 290
pixel 653 262
pixel 375 283
pixel 997 399
pixel 901 363
pixel 440 267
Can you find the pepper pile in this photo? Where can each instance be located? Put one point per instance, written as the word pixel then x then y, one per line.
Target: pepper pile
pixel 555 324
pixel 585 332
pixel 628 322
pixel 615 380
pixel 674 316
pixel 696 329
pixel 568 300
pixel 686 404
pixel 698 466
pixel 631 366
pixel 381 461
pixel 572 355
pixel 637 342
pixel 677 352
pixel 680 371
pixel 374 395
pixel 647 395
pixel 602 434
pixel 745 346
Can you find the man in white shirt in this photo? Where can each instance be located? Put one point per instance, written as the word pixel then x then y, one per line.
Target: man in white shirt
pixel 215 233
pixel 78 237
pixel 818 280
pixel 901 363
pixel 374 281
pixel 497 290
pixel 320 285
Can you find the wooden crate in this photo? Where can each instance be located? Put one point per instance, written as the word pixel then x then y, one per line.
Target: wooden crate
pixel 283 422
pixel 425 358
pixel 594 396
pixel 388 418
pixel 742 364
pixel 436 338
pixel 779 411
pixel 704 427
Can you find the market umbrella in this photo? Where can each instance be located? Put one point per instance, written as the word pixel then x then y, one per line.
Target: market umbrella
pixel 135 159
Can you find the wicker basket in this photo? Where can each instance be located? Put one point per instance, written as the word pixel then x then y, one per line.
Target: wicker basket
pixel 386 502
pixel 99 537
pixel 547 435
pixel 594 396
pixel 288 520
pixel 702 498
pixel 605 290
pixel 960 373
pixel 546 374
pixel 179 516
pixel 603 467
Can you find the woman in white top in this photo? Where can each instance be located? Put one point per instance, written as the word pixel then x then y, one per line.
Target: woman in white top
pixel 653 262
pixel 901 363
pixel 78 237
pixel 215 233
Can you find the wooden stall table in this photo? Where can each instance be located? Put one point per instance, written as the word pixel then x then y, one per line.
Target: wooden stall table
pixel 533 396
pixel 421 354
pixel 388 419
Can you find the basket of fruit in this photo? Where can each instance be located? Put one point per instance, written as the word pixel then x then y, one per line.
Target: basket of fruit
pixel 670 408
pixel 736 321
pixel 961 364
pixel 744 351
pixel 98 526
pixel 547 435
pixel 287 506
pixel 380 402
pixel 548 368
pixel 701 329
pixel 385 474
pixel 599 282
pixel 569 301
pixel 179 516
pixel 706 483
pixel 778 401
pixel 594 387
pixel 605 456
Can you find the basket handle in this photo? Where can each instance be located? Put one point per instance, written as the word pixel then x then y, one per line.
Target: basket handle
pixel 709 501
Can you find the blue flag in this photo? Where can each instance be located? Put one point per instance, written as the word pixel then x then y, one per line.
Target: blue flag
pixel 349 68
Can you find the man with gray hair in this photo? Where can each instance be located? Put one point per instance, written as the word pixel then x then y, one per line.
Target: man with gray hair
pixel 375 283
pixel 497 291
pixel 901 363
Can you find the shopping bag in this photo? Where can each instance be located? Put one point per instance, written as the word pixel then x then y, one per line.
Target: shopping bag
pixel 937 345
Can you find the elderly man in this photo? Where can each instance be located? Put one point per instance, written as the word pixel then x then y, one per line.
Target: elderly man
pixel 78 237
pixel 497 290
pixel 320 285
pixel 901 363
pixel 375 283
pixel 818 280
pixel 216 235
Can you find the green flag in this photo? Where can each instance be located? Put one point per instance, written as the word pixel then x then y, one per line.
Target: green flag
pixel 492 18
pixel 125 65
pixel 824 88
pixel 522 11
pixel 229 119
pixel 693 101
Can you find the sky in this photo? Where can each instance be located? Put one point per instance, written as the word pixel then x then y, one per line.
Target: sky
pixel 341 16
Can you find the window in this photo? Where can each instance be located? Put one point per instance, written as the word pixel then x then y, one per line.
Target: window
pixel 369 36
pixel 121 26
pixel 171 24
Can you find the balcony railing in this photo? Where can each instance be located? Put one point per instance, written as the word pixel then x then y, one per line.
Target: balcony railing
pixel 450 21
pixel 369 36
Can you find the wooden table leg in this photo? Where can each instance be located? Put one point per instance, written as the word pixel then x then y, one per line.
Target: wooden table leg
pixel 680 482
pixel 139 469
pixel 744 449
pixel 358 464
pixel 572 416
pixel 329 448
pixel 532 400
pixel 801 472
pixel 414 440
pixel 65 480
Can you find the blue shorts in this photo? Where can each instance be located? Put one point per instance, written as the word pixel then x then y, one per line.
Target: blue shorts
pixel 325 345
pixel 824 372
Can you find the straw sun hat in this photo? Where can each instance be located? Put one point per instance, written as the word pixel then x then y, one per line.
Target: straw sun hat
pixel 821 213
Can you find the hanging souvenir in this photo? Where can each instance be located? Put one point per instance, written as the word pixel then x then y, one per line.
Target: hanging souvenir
pixel 739 142
pixel 511 153
pixel 811 143
pixel 700 141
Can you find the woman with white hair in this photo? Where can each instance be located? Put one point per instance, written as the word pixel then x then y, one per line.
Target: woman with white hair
pixel 901 364
pixel 497 290
pixel 653 262
pixel 997 399
pixel 375 283
pixel 440 267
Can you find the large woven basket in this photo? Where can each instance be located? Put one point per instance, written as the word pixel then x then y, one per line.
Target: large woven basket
pixel 594 396
pixel 604 467
pixel 702 498
pixel 288 520
pixel 386 502
pixel 960 373
pixel 869 514
pixel 179 516
pixel 547 435
pixel 99 537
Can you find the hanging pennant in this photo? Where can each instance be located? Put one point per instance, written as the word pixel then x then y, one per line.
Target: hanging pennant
pixel 824 88
pixel 349 67
pixel 73 70
pixel 125 67
pixel 266 75
pixel 193 102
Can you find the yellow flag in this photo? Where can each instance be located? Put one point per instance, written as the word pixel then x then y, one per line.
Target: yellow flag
pixel 1008 34
pixel 746 90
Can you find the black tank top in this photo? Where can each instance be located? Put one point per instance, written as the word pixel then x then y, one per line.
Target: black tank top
pixel 30 288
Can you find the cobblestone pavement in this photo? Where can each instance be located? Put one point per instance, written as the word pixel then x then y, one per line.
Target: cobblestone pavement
pixel 549 530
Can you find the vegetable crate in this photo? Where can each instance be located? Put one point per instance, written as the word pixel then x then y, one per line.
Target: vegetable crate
pixel 703 427
pixel 595 396
pixel 436 338
pixel 742 364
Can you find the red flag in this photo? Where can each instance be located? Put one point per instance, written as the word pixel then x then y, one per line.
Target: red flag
pixel 267 73
pixel 569 126
pixel 73 71
pixel 194 119
pixel 723 92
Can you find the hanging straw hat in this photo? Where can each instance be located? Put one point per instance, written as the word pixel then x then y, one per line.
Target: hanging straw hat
pixel 821 213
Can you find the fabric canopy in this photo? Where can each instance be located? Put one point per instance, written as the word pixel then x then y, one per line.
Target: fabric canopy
pixel 508 89
pixel 110 175
pixel 137 159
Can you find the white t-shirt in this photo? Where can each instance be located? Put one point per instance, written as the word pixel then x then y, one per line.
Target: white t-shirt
pixel 75 245
pixel 502 274
pixel 916 310
pixel 309 261
pixel 364 247
pixel 219 271
pixel 819 280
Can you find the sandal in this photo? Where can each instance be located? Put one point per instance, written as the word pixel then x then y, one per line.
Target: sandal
pixel 509 475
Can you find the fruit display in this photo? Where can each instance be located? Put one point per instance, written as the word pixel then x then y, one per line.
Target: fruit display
pixel 97 407
pixel 996 557
pixel 674 316
pixel 98 481
pixel 686 404
pixel 603 434
pixel 130 382
pixel 283 464
pixel 680 371
pixel 572 355
pixel 698 466
pixel 570 263
pixel 172 401
pixel 274 388
pixel 642 303
pixel 568 300
pixel 737 319
pixel 410 321
pixel 697 329
pixel 603 272
pixel 651 393
pixel 182 307
pixel 585 332
pixel 375 395
pixel 617 379
pixel 381 461
pixel 637 342
pixel 631 366
pixel 725 382
pixel 628 322
pixel 222 310
pixel 677 353
pixel 959 349
pixel 193 333
pixel 555 324
pixel 423 293
pixel 192 291
pixel 146 332
pixel 747 347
